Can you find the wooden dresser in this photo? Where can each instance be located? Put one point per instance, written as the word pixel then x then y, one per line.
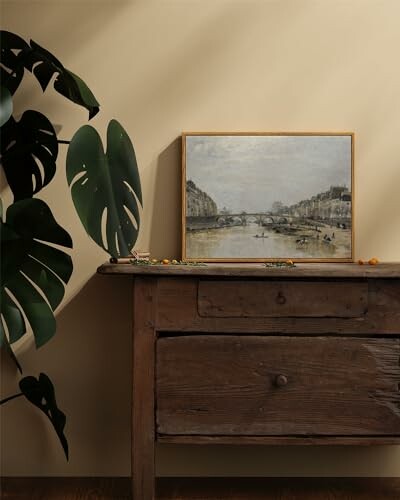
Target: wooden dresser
pixel 248 354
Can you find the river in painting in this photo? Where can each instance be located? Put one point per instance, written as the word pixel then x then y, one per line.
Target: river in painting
pixel 257 242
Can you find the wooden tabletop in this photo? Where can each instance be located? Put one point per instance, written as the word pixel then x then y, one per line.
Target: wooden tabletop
pixel 301 270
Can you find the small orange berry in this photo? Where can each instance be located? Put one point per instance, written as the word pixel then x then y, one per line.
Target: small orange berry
pixel 373 261
pixel 289 262
pixel 165 261
pixel 361 262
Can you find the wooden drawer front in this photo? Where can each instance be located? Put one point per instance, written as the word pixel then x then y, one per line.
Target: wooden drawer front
pixel 235 385
pixel 282 299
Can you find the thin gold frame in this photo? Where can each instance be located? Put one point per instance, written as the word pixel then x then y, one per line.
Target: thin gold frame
pixel 266 259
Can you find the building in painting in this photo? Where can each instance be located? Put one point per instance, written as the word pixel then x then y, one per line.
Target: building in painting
pixel 199 203
pixel 333 204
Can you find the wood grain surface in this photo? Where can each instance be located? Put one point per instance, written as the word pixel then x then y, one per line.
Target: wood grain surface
pixel 143 405
pixel 255 355
pixel 278 386
pixel 281 440
pixel 251 299
pixel 204 488
pixel 178 309
pixel 314 270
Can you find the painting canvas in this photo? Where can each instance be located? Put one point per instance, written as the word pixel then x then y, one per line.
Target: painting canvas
pixel 267 196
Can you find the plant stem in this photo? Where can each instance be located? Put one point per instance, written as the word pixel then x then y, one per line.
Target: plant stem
pixel 2 401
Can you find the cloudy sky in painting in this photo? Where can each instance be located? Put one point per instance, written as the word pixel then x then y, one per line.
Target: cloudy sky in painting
pixel 251 172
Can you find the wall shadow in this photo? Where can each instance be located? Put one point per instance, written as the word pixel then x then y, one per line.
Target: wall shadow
pixel 165 232
pixel 90 363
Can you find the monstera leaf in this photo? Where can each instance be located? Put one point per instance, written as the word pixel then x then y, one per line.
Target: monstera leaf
pixel 16 55
pixel 6 105
pixel 40 392
pixel 33 271
pixel 13 50
pixel 44 65
pixel 28 148
pixel 106 187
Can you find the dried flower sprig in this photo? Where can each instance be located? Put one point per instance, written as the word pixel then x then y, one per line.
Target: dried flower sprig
pixel 286 263
pixel 164 262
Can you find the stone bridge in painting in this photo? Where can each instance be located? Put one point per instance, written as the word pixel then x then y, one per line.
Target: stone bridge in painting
pixel 259 218
pixel 243 219
pixel 262 219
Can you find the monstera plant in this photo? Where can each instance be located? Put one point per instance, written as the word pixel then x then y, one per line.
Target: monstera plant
pixel 105 189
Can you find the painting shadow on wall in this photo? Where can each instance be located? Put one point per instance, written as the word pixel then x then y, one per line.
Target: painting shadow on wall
pixel 165 232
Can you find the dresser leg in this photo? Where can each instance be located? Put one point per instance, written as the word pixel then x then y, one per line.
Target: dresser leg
pixel 143 418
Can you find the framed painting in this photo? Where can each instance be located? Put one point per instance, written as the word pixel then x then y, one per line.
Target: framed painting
pixel 258 197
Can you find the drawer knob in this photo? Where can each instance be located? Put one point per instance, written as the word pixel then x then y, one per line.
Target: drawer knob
pixel 280 298
pixel 281 380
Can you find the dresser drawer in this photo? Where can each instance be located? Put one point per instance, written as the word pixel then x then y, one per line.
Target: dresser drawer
pixel 276 386
pixel 282 299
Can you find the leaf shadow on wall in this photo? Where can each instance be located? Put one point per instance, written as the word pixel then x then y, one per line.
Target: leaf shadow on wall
pixel 165 225
pixel 90 363
pixel 55 20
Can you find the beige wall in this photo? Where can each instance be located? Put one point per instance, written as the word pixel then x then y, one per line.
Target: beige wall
pixel 161 67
